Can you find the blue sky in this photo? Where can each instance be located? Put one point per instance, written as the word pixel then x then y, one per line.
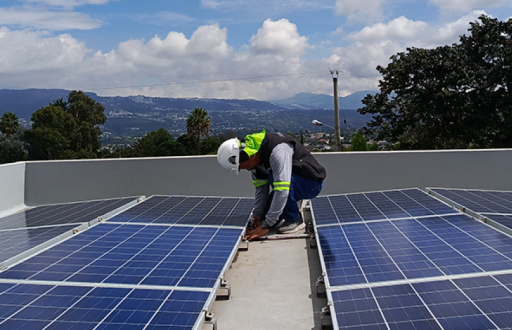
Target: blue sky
pixel 266 49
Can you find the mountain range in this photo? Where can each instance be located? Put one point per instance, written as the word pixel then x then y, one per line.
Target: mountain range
pixel 129 114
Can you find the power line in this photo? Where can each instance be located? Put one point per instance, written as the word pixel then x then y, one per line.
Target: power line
pixel 208 81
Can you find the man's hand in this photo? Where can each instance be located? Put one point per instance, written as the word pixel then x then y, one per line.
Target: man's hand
pixel 255 233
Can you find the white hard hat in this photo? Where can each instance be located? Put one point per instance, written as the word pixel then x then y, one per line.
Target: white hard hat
pixel 228 155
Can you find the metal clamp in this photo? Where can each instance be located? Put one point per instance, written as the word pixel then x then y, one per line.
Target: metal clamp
pixel 244 248
pixel 320 287
pixel 225 286
pixel 325 318
pixel 209 318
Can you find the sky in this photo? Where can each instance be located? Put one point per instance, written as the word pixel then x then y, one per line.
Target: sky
pixel 244 49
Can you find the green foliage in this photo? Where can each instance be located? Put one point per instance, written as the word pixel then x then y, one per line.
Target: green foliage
pixel 456 96
pixel 374 146
pixel 66 132
pixel 359 142
pixel 159 143
pixel 189 143
pixel 209 146
pixel 12 148
pixel 59 103
pixel 9 123
pixel 198 124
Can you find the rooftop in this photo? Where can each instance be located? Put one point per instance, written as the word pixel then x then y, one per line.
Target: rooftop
pixel 274 282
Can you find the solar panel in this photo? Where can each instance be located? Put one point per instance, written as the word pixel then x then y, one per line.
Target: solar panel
pixel 479 201
pixel 62 213
pixel 494 207
pixel 140 271
pixel 411 249
pixel 465 303
pixel 29 306
pixel 387 205
pixel 189 210
pixel 404 260
pixel 18 243
pixel 135 254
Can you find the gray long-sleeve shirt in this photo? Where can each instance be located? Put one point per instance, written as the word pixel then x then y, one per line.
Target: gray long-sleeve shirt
pixel 281 167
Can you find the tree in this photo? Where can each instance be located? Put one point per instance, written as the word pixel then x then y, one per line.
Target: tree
pixel 358 142
pixel 69 132
pixel 12 147
pixel 456 96
pixel 59 103
pixel 198 124
pixel 50 135
pixel 159 143
pixel 209 146
pixel 9 123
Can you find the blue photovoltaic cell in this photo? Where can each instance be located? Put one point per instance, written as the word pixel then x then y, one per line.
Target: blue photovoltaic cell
pixel 467 303
pixel 451 307
pixel 135 254
pixel 26 306
pixel 412 248
pixel 480 201
pixel 61 213
pixel 16 241
pixel 356 309
pixel 189 210
pixel 397 204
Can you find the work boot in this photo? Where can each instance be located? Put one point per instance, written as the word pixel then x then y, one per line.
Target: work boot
pixel 291 227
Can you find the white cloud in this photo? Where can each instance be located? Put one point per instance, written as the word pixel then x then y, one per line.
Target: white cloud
pixel 468 5
pixel 360 11
pixel 32 59
pixel 35 59
pixel 48 20
pixel 278 37
pixel 374 45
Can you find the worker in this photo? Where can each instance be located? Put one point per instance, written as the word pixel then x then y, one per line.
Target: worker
pixel 279 162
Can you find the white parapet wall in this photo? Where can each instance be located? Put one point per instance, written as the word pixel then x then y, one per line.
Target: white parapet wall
pixel 12 187
pixel 74 180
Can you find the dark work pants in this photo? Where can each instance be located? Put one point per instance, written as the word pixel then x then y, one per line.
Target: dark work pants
pixel 300 188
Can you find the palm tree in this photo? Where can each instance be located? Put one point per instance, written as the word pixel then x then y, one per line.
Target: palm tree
pixel 198 124
pixel 60 103
pixel 9 123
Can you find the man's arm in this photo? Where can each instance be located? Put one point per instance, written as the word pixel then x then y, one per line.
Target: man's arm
pixel 281 163
pixel 260 195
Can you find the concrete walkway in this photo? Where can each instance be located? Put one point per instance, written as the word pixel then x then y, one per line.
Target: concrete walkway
pixel 273 287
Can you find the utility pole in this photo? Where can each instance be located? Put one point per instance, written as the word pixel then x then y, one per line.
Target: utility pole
pixel 335 74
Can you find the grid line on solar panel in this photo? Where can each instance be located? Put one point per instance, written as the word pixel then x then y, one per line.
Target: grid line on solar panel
pixel 479 302
pixel 62 213
pixel 411 249
pixel 189 210
pixel 135 254
pixel 26 306
pixel 376 206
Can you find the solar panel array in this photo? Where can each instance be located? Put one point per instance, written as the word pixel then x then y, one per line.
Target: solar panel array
pixel 30 230
pixel 139 270
pixel 405 260
pixel 493 207
pixel 215 211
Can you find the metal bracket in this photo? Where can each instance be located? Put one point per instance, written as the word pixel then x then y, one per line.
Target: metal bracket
pixel 226 287
pixel 320 287
pixel 209 318
pixel 244 248
pixel 325 318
